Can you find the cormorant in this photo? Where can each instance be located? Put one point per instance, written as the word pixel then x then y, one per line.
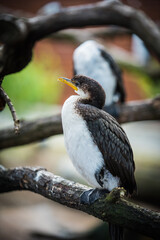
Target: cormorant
pixel 96 143
pixel 92 60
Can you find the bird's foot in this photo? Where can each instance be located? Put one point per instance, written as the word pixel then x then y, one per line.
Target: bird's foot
pixel 92 195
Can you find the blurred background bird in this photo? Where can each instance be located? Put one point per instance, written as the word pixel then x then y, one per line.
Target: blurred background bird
pixel 92 60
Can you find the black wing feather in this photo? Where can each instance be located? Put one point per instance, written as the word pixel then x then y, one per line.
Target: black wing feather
pixel 117 72
pixel 113 144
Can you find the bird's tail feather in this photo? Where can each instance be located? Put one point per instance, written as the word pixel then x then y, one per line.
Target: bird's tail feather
pixel 115 232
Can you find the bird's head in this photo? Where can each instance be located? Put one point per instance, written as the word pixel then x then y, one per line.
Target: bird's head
pixel 89 90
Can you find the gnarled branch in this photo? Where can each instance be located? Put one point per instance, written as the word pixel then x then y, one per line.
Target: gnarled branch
pixel 102 13
pixel 19 34
pixel 112 207
pixel 32 131
pixel 7 100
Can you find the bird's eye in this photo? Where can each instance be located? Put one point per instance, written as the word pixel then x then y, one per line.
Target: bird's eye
pixel 77 84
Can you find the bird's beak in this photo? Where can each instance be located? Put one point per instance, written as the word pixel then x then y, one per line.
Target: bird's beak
pixel 68 82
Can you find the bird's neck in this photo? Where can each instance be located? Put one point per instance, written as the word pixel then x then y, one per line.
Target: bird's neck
pixel 93 99
pixel 92 102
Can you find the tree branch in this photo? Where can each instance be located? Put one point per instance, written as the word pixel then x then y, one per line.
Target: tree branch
pixel 112 207
pixel 6 98
pixel 32 131
pixel 19 34
pixel 142 110
pixel 102 13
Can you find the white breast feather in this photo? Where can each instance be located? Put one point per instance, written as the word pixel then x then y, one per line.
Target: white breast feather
pixel 83 152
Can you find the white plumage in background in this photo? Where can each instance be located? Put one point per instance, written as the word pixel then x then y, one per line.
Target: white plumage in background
pixel 92 60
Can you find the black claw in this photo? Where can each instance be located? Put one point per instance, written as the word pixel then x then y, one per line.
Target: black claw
pixel 92 195
pixel 84 198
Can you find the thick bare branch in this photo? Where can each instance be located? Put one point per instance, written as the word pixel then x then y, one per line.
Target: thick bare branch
pixel 112 207
pixel 32 131
pixel 19 34
pixel 133 111
pixel 102 13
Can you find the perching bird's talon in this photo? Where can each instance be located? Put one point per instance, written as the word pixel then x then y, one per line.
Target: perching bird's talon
pixel 84 197
pixel 92 195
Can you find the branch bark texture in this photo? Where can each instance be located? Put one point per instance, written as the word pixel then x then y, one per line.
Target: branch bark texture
pixel 102 13
pixel 7 100
pixel 142 110
pixel 32 131
pixel 20 34
pixel 112 207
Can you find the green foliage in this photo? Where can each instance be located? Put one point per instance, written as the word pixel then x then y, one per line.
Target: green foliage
pixel 35 83
pixel 150 86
